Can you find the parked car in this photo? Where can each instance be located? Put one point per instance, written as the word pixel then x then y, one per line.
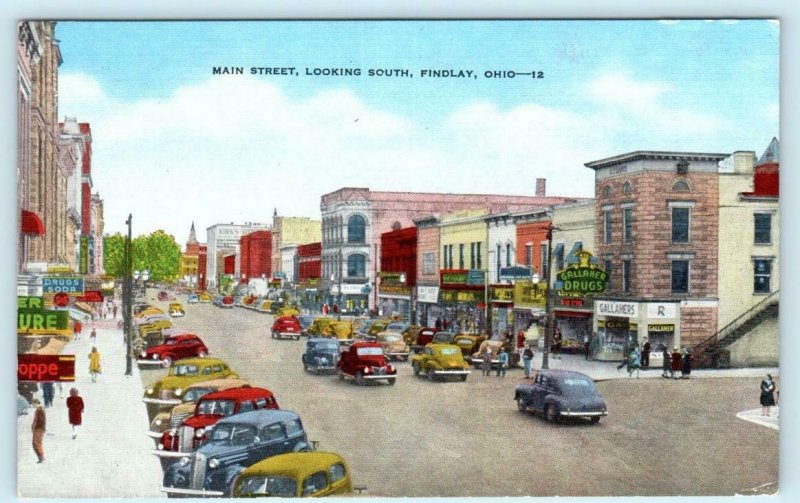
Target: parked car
pixel 366 361
pixel 477 357
pixel 319 325
pixel 235 443
pixel 394 347
pixel 341 330
pixel 173 418
pixel 176 310
pixel 372 329
pixel 191 433
pixel 411 333
pixel 321 355
pixel 204 297
pixel 174 347
pixel 192 299
pixel 306 320
pixel 297 474
pixel 423 338
pixel 226 302
pixel 397 326
pixel 440 361
pixel 444 337
pixel 561 394
pixel 163 295
pixel 167 391
pixel 469 343
pixel 286 326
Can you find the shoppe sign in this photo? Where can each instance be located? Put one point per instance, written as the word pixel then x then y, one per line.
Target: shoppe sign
pixel 38 368
pixel 71 286
pixel 515 272
pixel 581 278
pixel 616 308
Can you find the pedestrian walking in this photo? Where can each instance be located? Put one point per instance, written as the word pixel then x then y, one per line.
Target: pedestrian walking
pixel 587 343
pixel 625 354
pixel 487 361
pixel 94 364
pixel 686 364
pixel 93 335
pixel 115 311
pixel 48 393
pixel 502 363
pixel 767 395
pixel 76 329
pixel 438 324
pixel 75 408
pixel 634 363
pixel 676 363
pixel 646 354
pixel 38 429
pixel 527 359
pixel 555 347
pixel 520 339
pixel 666 365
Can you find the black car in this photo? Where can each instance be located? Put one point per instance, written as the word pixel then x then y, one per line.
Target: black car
pixel 561 394
pixel 306 320
pixel 233 444
pixel 322 354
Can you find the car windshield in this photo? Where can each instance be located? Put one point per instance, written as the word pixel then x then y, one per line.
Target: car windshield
pixel 233 434
pixel 443 336
pixel 448 351
pixel 464 342
pixel 392 337
pixel 184 370
pixel 194 394
pixel 397 327
pixel 268 486
pixel 306 320
pixel 218 407
pixel 326 346
pixel 576 386
pixel 369 351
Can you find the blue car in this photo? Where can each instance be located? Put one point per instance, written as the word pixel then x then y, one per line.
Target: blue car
pixel 561 394
pixel 193 299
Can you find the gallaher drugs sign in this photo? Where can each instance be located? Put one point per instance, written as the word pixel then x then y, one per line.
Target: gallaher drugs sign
pixel 70 286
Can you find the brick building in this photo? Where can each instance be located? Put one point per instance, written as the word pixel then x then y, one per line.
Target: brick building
pixel 427 291
pixel 398 275
pixel 255 256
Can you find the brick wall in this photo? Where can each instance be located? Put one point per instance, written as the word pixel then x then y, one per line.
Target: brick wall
pixel 697 324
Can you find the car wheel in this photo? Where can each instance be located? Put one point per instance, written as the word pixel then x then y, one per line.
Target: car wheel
pixel 550 412
pixel 431 375
pixel 464 378
pixel 595 419
pixel 297 337
pixel 415 367
pixel 521 406
pixel 359 377
pixel 305 367
pixel 341 376
pixel 166 361
pixel 392 380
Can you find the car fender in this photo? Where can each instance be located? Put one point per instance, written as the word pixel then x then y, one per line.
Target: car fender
pixel 302 447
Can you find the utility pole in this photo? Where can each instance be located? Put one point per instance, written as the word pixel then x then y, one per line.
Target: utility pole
pixel 548 327
pixel 127 299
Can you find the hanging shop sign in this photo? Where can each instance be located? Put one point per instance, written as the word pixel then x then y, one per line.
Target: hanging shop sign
pixel 90 296
pixel 38 368
pixel 391 278
pixel 616 308
pixel 59 269
pixel 501 293
pixel 84 252
pixel 428 294
pixel 661 328
pixel 582 278
pixel 476 277
pixel 515 272
pixel 392 289
pixel 33 318
pixel 71 286
pixel 530 294
pixel 462 296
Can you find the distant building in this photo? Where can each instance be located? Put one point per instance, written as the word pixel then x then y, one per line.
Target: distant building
pixel 255 256
pixel 291 231
pixel 223 239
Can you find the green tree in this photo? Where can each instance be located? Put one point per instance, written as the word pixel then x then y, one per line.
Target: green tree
pixel 114 255
pixel 157 252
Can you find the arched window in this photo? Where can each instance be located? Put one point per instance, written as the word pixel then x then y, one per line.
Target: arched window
pixel 607 191
pixel 681 186
pixel 627 188
pixel 357 265
pixel 356 229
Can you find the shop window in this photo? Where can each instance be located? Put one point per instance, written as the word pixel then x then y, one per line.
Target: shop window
pixel 680 276
pixel 763 228
pixel 607 226
pixel 528 255
pixel 545 263
pixel 356 229
pixel 626 276
pixel 763 272
pixel 680 224
pixel 627 222
pixel 356 266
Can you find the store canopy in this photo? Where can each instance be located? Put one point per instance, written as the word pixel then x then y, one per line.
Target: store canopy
pixel 32 224
pixel 558 250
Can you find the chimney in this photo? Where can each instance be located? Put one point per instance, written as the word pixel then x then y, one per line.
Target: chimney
pixel 540 187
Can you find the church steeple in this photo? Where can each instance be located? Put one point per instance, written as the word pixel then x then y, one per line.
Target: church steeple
pixel 192 236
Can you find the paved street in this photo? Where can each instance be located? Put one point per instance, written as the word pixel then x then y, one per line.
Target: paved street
pixel 417 438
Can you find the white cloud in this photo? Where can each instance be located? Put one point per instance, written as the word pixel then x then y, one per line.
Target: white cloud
pixel 619 88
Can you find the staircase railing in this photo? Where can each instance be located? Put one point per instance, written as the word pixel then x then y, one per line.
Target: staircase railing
pixel 707 353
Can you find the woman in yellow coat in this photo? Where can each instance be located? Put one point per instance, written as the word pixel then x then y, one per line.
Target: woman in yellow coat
pixel 94 364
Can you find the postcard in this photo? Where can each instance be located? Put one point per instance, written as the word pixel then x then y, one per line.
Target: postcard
pixel 398 258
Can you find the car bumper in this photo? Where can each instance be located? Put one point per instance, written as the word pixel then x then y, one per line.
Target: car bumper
pixel 170 454
pixel 288 334
pixel 583 413
pixel 149 362
pixel 176 315
pixel 479 361
pixel 451 372
pixel 162 401
pixel 373 376
pixel 154 434
pixel 191 492
pixel 398 354
pixel 313 368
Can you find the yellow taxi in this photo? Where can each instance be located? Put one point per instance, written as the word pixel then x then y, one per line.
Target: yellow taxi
pixel 297 474
pixel 176 310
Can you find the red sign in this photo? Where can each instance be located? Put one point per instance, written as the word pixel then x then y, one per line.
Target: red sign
pixel 90 296
pixel 572 302
pixel 61 299
pixel 40 368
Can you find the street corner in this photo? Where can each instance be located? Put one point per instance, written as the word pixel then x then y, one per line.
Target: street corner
pixel 754 416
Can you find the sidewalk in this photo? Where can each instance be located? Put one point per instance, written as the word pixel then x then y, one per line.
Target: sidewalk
pixel 601 371
pixel 754 416
pixel 111 456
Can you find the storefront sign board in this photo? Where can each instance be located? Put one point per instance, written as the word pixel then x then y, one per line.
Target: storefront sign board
pixel 39 368
pixel 616 308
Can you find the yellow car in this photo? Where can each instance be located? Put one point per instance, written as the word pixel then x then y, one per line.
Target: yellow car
pixel 440 361
pixel 204 297
pixel 266 306
pixel 167 391
pixel 394 347
pixel 288 311
pixel 176 310
pixel 149 311
pixel 297 474
pixel 342 330
pixel 320 325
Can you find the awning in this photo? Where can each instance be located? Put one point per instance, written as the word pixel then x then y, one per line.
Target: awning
pixel 558 250
pixel 578 246
pixel 572 314
pixel 32 224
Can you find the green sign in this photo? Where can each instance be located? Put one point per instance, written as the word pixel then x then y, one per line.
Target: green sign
pixel 84 265
pixel 33 318
pixel 582 278
pixel 454 278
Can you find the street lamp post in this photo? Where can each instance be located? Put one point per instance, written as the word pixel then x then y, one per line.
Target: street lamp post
pixel 548 327
pixel 127 299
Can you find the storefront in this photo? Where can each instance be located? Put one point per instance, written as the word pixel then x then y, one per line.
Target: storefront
pixel 308 296
pixel 529 306
pixel 394 296
pixel 353 298
pixel 573 318
pixel 427 305
pixel 462 299
pixel 502 309
pixel 621 323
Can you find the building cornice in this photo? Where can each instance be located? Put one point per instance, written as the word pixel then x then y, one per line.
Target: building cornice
pixel 653 155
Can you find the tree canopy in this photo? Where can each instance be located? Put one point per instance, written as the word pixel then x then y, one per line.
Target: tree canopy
pixel 156 252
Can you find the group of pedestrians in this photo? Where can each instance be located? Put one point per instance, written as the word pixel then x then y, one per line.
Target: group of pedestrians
pixel 75 408
pixel 488 359
pixel 676 362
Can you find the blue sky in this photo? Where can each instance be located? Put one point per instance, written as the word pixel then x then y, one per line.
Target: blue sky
pixel 231 148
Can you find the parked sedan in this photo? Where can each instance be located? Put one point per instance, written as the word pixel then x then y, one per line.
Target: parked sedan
pixel 561 394
pixel 174 347
pixel 296 474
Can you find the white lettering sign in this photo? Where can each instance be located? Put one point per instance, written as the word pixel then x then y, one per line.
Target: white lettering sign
pixel 428 294
pixel 613 308
pixel 662 310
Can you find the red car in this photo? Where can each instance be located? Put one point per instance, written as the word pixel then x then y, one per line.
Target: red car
pixel 162 295
pixel 286 326
pixel 174 347
pixel 227 301
pixel 424 337
pixel 366 361
pixel 210 409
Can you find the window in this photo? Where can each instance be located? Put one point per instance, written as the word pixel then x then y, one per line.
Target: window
pixel 761 279
pixel 607 226
pixel 337 472
pixel 607 191
pixel 528 255
pixel 273 432
pixel 499 261
pixel 545 262
pixel 472 255
pixel 559 256
pixel 356 229
pixel 293 428
pixel 609 266
pixel 315 483
pixel 356 265
pixel 626 276
pixel 627 188
pixel 763 228
pixel 680 276
pixel 261 403
pixel 680 224
pixel 681 186
pixel 461 256
pixel 445 256
pixel 627 222
pixel 246 407
pixel 508 254
pixel 479 260
pixel 428 263
pixel 450 256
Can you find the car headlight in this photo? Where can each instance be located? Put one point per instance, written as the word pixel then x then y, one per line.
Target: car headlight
pixel 213 463
pixel 184 461
pixel 149 391
pixel 144 354
pixel 367 370
pixel 154 356
pixel 199 432
pixel 178 391
pixel 160 447
pixel 158 422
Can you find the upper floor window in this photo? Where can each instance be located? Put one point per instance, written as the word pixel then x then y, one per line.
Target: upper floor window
pixel 627 188
pixel 627 225
pixel 357 265
pixel 356 229
pixel 607 226
pixel 763 228
pixel 428 263
pixel 479 259
pixel 627 266
pixel 607 191
pixel 680 276
pixel 545 262
pixel 508 254
pixel 461 256
pixel 528 254
pixel 680 224
pixel 762 273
